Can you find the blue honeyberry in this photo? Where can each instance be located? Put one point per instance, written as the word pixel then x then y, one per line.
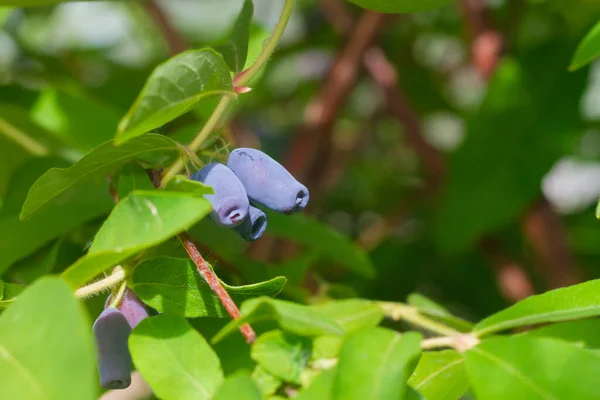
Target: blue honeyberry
pixel 132 308
pixel 267 182
pixel 111 332
pixel 254 226
pixel 230 201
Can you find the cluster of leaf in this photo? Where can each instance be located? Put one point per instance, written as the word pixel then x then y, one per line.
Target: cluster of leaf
pixel 59 199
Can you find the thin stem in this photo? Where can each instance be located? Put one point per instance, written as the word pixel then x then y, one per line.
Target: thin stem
pixel 116 298
pixel 437 342
pixel 398 311
pixel 22 139
pixel 208 128
pixel 213 282
pixel 244 77
pixel 110 281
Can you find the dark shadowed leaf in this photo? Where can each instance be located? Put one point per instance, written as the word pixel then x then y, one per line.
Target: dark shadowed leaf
pixel 291 317
pixel 174 286
pixel 175 359
pixel 10 293
pixel 96 165
pixel 317 236
pixel 234 49
pixel 130 178
pixel 142 220
pixel 528 368
pixel 375 364
pixel 33 335
pixel 174 88
pixel 282 354
pixel 440 375
pixel 574 302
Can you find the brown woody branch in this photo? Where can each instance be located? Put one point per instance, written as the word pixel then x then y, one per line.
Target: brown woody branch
pixel 174 40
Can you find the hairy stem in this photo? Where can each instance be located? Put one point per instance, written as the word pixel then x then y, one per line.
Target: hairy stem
pixel 118 276
pixel 244 77
pixel 213 282
pixel 208 128
pixel 398 311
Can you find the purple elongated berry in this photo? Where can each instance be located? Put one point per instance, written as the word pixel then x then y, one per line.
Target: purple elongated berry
pixel 267 182
pixel 132 308
pixel 111 331
pixel 230 201
pixel 254 226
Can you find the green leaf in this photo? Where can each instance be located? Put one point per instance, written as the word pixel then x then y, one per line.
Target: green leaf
pixel 440 375
pixel 532 103
pixel 174 359
pixel 375 364
pixel 239 387
pixel 582 332
pixel 180 183
pixel 45 327
pixel 174 88
pixel 353 314
pixel 588 49
pixel 10 293
pixel 142 220
pixel 315 235
pixel 400 6
pixel 174 286
pixel 432 309
pixel 266 382
pixel 573 302
pixel 1 290
pixel 282 354
pixel 130 178
pixel 235 48
pixel 320 388
pixel 291 317
pixel 96 165
pixel 31 3
pixel 31 268
pixel 527 368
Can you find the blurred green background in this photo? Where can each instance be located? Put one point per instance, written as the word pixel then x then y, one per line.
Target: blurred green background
pixel 462 155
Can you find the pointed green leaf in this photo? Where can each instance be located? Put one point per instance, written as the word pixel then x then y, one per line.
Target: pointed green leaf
pixel 45 327
pixel 175 359
pixel 400 6
pixel 282 354
pixel 588 49
pixel 573 302
pixel 528 368
pixel 130 178
pixel 174 286
pixel 440 375
pixel 352 314
pixel 174 88
pixel 180 183
pixel 235 48
pixel 291 317
pixel 375 364
pixel 96 165
pixel 239 387
pixel 317 236
pixel 142 220
pixel 320 388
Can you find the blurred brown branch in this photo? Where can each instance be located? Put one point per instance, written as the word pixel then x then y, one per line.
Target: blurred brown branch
pixel 176 43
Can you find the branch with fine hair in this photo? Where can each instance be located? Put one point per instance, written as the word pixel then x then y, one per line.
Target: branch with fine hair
pixel 118 275
pixel 215 285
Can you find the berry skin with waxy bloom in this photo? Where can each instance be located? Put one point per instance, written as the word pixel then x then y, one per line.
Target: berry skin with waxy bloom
pixel 267 182
pixel 132 308
pixel 230 201
pixel 111 332
pixel 254 225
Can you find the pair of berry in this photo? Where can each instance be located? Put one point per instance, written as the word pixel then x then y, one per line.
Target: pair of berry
pixel 250 178
pixel 111 333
